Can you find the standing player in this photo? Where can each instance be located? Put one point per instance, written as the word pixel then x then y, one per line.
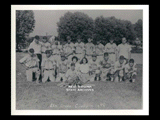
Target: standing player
pixel 69 48
pixel 124 49
pixel 36 45
pixel 89 47
pixel 79 48
pixel 111 49
pixel 99 48
pixel 56 51
pixel 48 68
pixel 45 46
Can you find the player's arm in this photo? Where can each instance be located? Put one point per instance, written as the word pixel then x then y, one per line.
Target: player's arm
pixel 23 60
pixel 42 67
pixel 129 52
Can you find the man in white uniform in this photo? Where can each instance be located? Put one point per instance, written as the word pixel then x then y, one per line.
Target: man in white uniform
pixel 69 48
pixel 124 49
pixel 48 68
pixel 99 48
pixel 79 48
pixel 90 48
pixel 111 49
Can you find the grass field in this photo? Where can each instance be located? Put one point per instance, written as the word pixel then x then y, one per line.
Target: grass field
pixel 106 95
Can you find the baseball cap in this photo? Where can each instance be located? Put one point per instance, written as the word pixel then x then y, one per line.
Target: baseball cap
pixel 121 57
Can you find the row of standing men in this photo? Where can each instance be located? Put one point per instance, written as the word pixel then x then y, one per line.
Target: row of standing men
pixel 79 49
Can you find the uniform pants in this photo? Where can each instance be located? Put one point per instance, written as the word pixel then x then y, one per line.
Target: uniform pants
pixel 29 73
pixel 84 77
pixel 48 74
pixel 40 60
pixel 94 74
pixel 105 72
pixel 61 75
pixel 131 75
pixel 119 73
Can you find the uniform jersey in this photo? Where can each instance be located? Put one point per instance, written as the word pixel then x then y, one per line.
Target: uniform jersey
pixel 99 49
pixel 124 49
pixel 79 47
pixel 119 66
pixel 84 68
pixel 89 48
pixel 56 46
pixel 37 47
pixel 104 64
pixel 30 61
pixel 52 40
pixel 45 46
pixel 56 51
pixel 63 66
pixel 48 63
pixel 93 65
pixel 68 48
pixel 110 48
pixel 130 69
pixel 71 74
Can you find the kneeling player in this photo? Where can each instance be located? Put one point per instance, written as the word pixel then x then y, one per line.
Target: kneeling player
pixel 130 71
pixel 119 68
pixel 94 68
pixel 107 68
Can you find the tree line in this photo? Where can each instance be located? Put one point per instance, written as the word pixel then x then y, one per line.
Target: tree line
pixel 102 28
pixel 80 24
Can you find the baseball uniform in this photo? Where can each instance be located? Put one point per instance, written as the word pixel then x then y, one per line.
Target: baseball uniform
pixel 106 67
pixel 79 48
pixel 130 71
pixel 124 49
pixel 49 69
pixel 99 51
pixel 31 64
pixel 63 67
pixel 90 48
pixel 111 49
pixel 68 49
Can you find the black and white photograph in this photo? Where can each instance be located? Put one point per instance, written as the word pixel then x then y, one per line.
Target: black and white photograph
pixel 70 58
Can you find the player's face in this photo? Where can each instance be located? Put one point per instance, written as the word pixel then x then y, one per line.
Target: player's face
pixel 74 60
pixel 44 40
pixel 62 58
pixel 72 67
pixel 89 40
pixel 94 58
pixel 84 61
pixel 131 64
pixel 69 40
pixel 106 57
pixel 31 54
pixel 48 55
pixel 98 42
pixel 37 41
pixel 79 40
pixel 111 41
pixel 121 61
pixel 124 40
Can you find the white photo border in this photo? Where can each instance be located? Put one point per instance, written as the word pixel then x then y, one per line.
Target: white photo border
pixel 145 99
